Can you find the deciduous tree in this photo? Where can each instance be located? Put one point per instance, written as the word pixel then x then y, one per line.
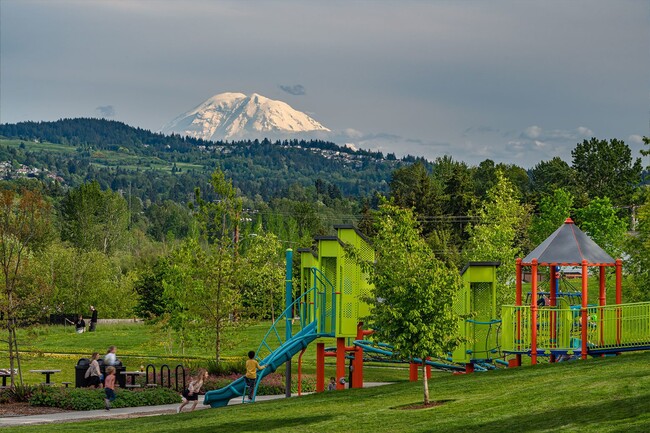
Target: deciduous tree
pixel 413 290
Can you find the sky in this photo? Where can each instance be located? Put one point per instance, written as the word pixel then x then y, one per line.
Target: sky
pixel 514 81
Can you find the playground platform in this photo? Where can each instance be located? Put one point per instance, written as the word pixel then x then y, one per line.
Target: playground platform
pixel 128 412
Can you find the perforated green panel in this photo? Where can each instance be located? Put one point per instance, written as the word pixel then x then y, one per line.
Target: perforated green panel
pixel 481 301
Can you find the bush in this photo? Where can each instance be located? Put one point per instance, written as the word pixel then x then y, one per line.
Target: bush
pixel 226 368
pixel 92 399
pixel 272 384
pixel 20 393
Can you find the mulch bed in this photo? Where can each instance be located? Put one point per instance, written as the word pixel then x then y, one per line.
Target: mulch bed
pixel 22 409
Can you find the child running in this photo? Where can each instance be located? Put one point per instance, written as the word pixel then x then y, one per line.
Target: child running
pixel 251 373
pixel 191 393
pixel 109 386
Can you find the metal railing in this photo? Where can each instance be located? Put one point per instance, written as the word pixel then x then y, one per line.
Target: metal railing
pixel 317 303
pixel 610 327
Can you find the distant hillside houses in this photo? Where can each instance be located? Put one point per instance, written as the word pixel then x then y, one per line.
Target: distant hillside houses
pixel 10 171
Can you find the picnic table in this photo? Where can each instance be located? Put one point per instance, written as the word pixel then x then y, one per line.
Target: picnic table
pixel 47 374
pixel 132 375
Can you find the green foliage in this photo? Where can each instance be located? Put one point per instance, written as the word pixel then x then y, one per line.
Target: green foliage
pixel 413 290
pixel 497 236
pixel 93 399
pixel 20 393
pixel 225 368
pixel 262 276
pixel 601 222
pixel 607 169
pixel 553 211
pixel 638 249
pixel 94 219
pixel 152 301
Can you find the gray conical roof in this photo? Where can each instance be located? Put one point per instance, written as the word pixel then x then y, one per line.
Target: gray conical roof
pixel 569 246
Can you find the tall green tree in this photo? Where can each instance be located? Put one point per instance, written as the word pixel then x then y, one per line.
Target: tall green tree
pixel 553 211
pixel 607 169
pixel 638 250
pixel 94 219
pixel 413 290
pixel 24 229
pixel 497 236
pixel 205 280
pixel 601 222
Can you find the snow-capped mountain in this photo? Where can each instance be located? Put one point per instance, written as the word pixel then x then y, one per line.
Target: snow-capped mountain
pixel 235 116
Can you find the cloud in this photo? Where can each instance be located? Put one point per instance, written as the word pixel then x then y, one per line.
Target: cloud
pixel 635 138
pixel 296 89
pixel 106 110
pixel 532 132
pixel 585 132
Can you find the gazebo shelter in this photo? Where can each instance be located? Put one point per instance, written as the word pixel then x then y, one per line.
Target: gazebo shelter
pixel 567 246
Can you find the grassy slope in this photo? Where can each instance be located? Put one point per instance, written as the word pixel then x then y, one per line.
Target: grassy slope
pixel 58 347
pixel 602 395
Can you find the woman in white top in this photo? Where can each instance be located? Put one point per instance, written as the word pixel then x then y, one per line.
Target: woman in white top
pixel 110 358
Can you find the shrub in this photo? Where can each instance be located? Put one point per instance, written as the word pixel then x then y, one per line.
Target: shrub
pixel 226 368
pixel 20 393
pixel 91 399
pixel 272 384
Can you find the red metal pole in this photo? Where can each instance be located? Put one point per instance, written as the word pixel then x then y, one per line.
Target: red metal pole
pixel 428 368
pixel 533 314
pixel 357 363
pixel 320 367
pixel 413 372
pixel 619 299
pixel 518 303
pixel 340 362
pixel 585 294
pixel 602 300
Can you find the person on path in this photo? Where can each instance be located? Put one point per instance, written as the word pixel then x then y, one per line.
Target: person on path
pixel 93 319
pixel 110 358
pixel 251 373
pixel 109 386
pixel 191 393
pixel 332 384
pixel 80 324
pixel 93 374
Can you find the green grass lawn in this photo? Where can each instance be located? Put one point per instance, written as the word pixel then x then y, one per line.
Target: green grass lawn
pixel 59 347
pixel 598 395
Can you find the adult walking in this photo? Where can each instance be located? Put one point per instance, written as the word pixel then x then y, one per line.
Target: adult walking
pixel 93 319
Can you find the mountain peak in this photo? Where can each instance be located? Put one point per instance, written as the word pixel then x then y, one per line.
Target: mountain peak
pixel 231 116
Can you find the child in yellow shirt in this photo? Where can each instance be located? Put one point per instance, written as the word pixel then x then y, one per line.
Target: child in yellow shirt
pixel 251 373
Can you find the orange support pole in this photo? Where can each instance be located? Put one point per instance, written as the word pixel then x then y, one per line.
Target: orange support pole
pixel 357 363
pixel 585 294
pixel 428 368
pixel 320 367
pixel 413 372
pixel 533 314
pixel 619 299
pixel 340 362
pixel 518 303
pixel 602 300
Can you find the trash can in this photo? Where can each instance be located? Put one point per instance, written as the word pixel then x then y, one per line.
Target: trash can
pixel 119 378
pixel 80 372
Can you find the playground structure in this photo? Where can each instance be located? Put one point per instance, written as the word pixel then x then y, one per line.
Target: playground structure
pixel 561 330
pixel 332 303
pixel 329 312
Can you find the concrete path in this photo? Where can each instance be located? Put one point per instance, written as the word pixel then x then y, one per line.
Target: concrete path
pixel 126 412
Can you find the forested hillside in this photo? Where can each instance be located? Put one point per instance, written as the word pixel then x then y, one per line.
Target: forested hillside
pixel 158 167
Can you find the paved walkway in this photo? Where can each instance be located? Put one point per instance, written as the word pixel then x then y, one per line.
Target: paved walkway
pixel 126 412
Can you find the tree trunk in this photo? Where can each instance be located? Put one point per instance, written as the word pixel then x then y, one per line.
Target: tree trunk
pixel 425 379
